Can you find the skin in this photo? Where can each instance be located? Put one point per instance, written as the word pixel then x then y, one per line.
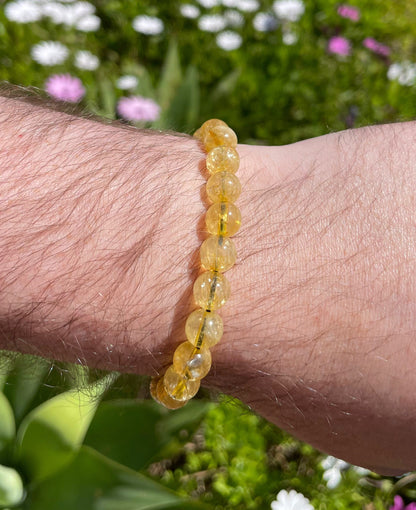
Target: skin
pixel 100 227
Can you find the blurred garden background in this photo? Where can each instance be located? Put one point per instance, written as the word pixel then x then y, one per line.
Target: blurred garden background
pixel 277 72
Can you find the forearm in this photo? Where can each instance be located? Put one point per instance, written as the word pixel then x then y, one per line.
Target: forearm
pixel 99 234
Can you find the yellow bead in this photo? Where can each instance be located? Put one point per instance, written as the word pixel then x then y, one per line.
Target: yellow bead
pixel 199 135
pixel 223 187
pixel 191 362
pixel 211 290
pixel 223 219
pixel 222 159
pixel 153 387
pixel 166 400
pixel 178 386
pixel 204 329
pixel 218 253
pixel 206 126
pixel 220 136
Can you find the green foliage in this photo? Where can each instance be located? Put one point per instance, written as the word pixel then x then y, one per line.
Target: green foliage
pixel 59 424
pixel 7 423
pixel 136 433
pixel 92 481
pixel 11 487
pixel 46 463
pixel 269 91
pixel 240 461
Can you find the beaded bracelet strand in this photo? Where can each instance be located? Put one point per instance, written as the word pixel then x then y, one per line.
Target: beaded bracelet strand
pixel 204 327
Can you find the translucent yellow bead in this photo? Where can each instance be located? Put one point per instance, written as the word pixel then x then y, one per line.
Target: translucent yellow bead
pixel 166 400
pixel 204 329
pixel 223 219
pixel 220 136
pixel 211 290
pixel 206 126
pixel 223 187
pixel 191 362
pixel 178 386
pixel 222 159
pixel 153 387
pixel 218 253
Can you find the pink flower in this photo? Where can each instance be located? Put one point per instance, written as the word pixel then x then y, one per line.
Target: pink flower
pixel 137 108
pixel 65 87
pixel 350 12
pixel 377 47
pixel 339 45
pixel 399 504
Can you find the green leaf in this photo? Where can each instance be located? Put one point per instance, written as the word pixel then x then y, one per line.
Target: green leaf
pixel 51 433
pixel 6 363
pixel 107 97
pixel 145 87
pixel 171 76
pixel 186 418
pixel 25 378
pixel 7 424
pixel 93 482
pixel 136 433
pixel 183 111
pixel 11 487
pixel 225 86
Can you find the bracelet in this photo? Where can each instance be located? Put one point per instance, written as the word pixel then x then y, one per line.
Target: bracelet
pixel 204 327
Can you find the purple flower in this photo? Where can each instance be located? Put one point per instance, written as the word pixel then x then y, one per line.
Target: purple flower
pixel 137 108
pixel 350 12
pixel 399 504
pixel 65 87
pixel 339 45
pixel 377 47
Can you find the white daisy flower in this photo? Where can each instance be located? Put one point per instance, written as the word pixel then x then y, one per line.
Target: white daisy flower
pixel 212 23
pixel 55 11
pixel 289 38
pixel 90 23
pixel 127 82
pixel 86 60
pixel 229 40
pixel 291 501
pixel 208 3
pixel 81 9
pixel 148 25
pixel 248 5
pixel 234 18
pixel 361 471
pixel 404 73
pixel 23 11
pixel 264 22
pixel 408 75
pixel 333 468
pixel 70 15
pixel 332 477
pixel 289 10
pixel 394 71
pixel 49 53
pixel 189 11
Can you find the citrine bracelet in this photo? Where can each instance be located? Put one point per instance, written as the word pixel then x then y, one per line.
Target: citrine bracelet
pixel 204 327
